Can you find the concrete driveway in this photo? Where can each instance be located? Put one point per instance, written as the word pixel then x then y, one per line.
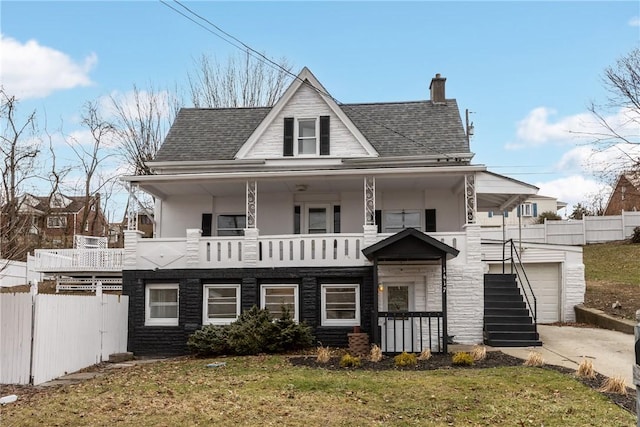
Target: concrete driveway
pixel 611 352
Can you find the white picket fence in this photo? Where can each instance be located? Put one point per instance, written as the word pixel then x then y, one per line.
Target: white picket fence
pixel 70 332
pixel 591 229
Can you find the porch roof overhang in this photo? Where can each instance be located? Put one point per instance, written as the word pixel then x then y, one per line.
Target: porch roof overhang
pixel 500 193
pixel 410 245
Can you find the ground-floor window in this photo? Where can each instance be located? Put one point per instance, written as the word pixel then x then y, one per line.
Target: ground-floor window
pixel 161 304
pixel 276 297
pixel 221 304
pixel 340 304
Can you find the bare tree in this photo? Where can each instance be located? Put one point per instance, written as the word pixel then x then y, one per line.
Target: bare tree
pixel 243 81
pixel 91 158
pixel 619 117
pixel 19 149
pixel 141 124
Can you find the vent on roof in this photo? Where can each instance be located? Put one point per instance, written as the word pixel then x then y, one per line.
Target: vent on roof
pixel 437 89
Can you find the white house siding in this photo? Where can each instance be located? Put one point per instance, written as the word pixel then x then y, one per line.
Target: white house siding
pixel 275 213
pixel 351 212
pixel 182 212
pixel 574 288
pixel 306 103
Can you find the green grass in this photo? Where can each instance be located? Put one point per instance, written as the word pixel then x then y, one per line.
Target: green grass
pixel 617 263
pixel 267 391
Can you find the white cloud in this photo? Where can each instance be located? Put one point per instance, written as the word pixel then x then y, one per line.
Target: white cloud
pixel 31 70
pixel 588 159
pixel 538 128
pixel 635 21
pixel 572 190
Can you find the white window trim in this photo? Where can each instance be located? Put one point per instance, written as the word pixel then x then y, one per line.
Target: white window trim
pixel 263 289
pixel 147 309
pixel 205 305
pixel 296 133
pixel 323 307
pixel 526 209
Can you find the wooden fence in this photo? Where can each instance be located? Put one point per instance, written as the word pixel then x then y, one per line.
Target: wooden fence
pixel 591 229
pixel 69 332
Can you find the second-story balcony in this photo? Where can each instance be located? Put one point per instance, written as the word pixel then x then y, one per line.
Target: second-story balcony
pixel 78 260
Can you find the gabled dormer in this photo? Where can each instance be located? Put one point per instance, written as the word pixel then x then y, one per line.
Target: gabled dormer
pixel 306 123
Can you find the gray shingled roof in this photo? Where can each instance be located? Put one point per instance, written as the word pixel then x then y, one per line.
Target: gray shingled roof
pixel 393 129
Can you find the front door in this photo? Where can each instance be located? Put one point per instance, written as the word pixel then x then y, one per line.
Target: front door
pixel 396 330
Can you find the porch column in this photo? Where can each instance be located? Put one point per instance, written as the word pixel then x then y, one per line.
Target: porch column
pixel 193 247
pixel 131 238
pixel 470 198
pixel 445 332
pixel 370 227
pixel 250 255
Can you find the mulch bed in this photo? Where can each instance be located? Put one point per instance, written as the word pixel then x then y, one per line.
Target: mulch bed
pixel 494 359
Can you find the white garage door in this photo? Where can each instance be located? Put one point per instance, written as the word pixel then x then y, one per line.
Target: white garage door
pixel 545 280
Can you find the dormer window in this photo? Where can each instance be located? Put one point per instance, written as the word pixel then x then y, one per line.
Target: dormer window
pixel 307 141
pixel 311 136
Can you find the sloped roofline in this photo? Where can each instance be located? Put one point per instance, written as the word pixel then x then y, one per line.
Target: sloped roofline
pixel 448 251
pixel 304 77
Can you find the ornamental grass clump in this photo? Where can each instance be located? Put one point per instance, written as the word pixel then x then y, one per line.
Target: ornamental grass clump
pixel 534 359
pixel 615 385
pixel 323 354
pixel 425 354
pixel 479 352
pixel 585 369
pixel 349 361
pixel 375 355
pixel 462 358
pixel 405 359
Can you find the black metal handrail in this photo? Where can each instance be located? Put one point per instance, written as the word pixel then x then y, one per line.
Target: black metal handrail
pixel 428 323
pixel 514 266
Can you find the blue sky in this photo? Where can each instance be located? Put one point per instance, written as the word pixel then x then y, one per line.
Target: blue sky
pixel 527 70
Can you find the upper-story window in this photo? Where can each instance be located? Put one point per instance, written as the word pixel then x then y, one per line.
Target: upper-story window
pixel 306 136
pixel 56 221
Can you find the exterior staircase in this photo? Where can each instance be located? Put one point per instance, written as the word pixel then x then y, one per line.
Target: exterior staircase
pixel 507 321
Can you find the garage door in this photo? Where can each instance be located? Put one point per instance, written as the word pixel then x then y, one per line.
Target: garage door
pixel 545 281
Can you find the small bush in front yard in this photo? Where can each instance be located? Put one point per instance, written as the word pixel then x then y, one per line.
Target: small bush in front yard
pixel 254 332
pixel 376 353
pixel 425 354
pixel 534 359
pixel 211 340
pixel 616 385
pixel 585 369
pixel 349 361
pixel 635 237
pixel 405 359
pixel 323 354
pixel 479 352
pixel 462 358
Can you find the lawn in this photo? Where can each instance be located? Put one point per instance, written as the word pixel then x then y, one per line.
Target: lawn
pixel 268 391
pixel 612 272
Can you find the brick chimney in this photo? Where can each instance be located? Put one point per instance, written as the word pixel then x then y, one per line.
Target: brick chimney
pixel 437 89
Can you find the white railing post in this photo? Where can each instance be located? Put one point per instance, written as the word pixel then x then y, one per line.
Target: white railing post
pixel 193 247
pixel 250 247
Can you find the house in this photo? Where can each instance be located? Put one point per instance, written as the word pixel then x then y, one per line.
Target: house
pixel 351 215
pixel 626 194
pixel 116 229
pixel 525 214
pixel 53 221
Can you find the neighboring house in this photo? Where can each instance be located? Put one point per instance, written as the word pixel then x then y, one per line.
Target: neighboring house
pixel 116 229
pixel 625 195
pixel 55 220
pixel 526 213
pixel 351 215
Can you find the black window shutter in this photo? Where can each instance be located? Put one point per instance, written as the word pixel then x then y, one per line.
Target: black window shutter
pixel 288 137
pixel 430 220
pixel 379 220
pixel 336 219
pixel 207 220
pixel 324 136
pixel 296 220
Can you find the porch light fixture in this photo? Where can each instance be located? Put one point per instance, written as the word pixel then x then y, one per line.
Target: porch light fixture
pixel 301 187
pixel 380 287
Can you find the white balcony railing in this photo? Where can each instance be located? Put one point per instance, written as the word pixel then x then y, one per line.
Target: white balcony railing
pixel 78 260
pixel 311 250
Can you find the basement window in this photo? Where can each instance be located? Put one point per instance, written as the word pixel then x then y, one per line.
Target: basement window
pixel 161 304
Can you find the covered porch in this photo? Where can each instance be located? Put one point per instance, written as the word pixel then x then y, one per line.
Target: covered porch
pixel 410 302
